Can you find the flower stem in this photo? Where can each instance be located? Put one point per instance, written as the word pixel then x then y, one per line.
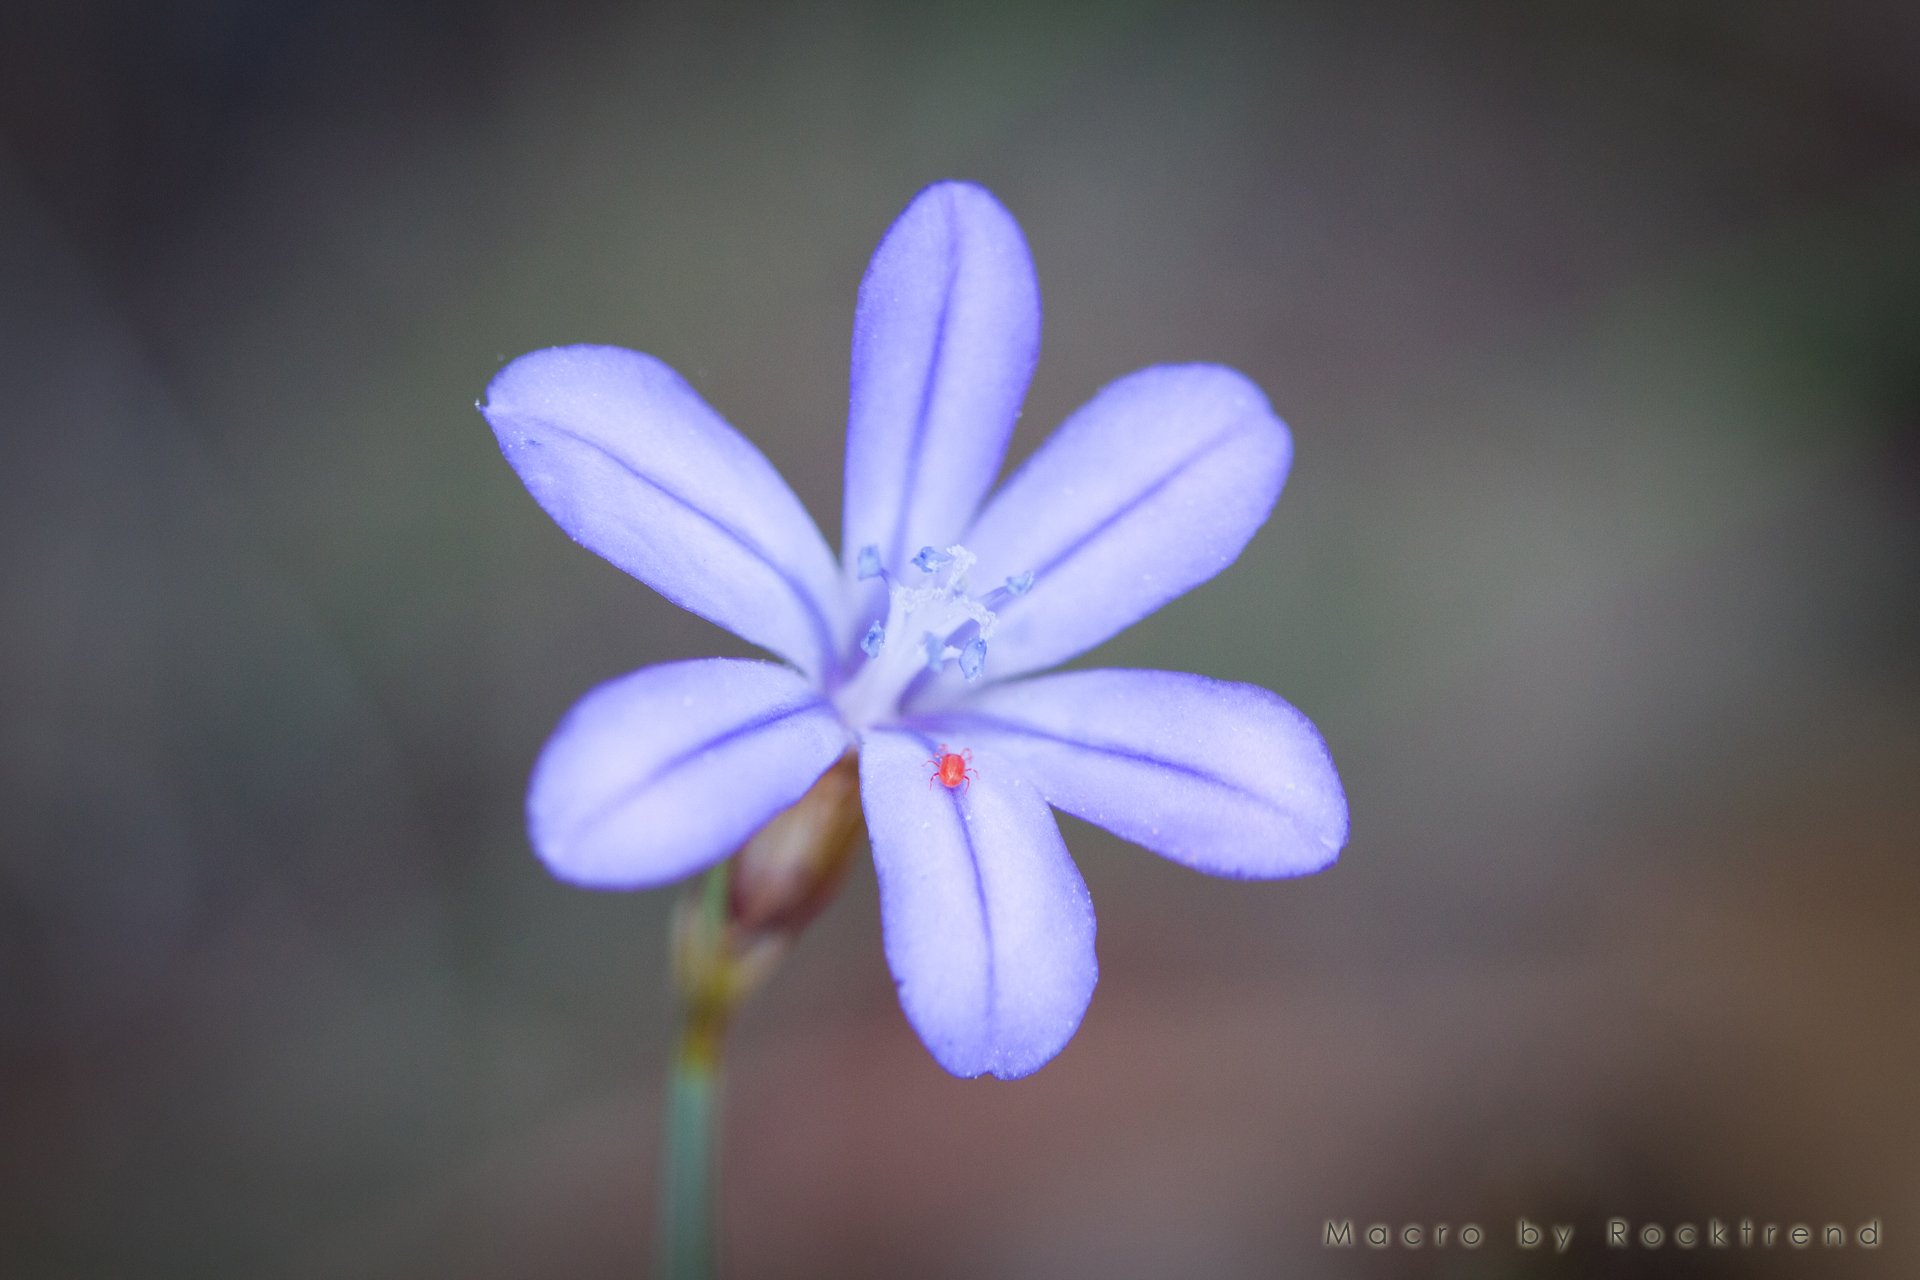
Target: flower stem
pixel 729 934
pixel 690 1144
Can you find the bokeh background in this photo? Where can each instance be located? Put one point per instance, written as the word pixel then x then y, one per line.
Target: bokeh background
pixel 1598 327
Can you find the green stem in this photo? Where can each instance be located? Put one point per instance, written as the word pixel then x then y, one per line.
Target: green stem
pixel 686 1205
pixel 690 1144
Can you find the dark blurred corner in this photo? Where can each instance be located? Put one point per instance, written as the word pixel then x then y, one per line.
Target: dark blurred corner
pixel 1596 326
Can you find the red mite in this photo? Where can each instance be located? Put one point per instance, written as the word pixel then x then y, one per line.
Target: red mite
pixel 952 770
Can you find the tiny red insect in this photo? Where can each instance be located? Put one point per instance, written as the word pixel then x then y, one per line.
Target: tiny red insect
pixel 951 769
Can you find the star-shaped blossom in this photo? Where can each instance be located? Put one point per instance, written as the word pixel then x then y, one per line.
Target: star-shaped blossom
pixel 924 637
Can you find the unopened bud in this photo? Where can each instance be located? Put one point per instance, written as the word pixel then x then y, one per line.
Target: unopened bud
pixel 792 867
pixel 734 927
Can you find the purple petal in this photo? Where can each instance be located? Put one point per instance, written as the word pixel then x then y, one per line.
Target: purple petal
pixel 633 464
pixel 664 772
pixel 1226 778
pixel 1148 490
pixel 944 339
pixel 987 924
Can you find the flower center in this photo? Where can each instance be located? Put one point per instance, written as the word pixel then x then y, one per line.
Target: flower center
pixel 928 625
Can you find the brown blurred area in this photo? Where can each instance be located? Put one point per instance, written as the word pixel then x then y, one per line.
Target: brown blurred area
pixel 1598 328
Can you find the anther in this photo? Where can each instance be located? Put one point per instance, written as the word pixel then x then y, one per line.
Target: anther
pixel 931 559
pixel 876 637
pixel 972 658
pixel 868 565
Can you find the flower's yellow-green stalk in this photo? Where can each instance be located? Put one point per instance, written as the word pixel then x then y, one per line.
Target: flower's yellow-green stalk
pixel 729 934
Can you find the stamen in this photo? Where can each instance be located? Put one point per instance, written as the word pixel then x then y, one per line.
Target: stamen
pixel 1020 584
pixel 972 658
pixel 949 622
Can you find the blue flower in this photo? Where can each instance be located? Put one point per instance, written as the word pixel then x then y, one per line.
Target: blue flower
pixel 926 633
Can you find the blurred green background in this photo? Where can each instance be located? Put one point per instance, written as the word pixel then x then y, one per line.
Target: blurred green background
pixel 1598 328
